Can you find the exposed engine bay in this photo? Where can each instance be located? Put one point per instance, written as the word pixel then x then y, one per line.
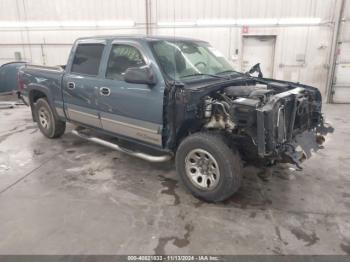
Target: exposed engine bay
pixel 271 114
pixel 235 106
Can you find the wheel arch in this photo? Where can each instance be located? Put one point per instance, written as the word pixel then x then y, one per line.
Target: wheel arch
pixel 186 128
pixel 38 92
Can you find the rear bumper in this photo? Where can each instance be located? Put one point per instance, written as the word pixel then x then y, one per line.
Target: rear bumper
pixel 283 117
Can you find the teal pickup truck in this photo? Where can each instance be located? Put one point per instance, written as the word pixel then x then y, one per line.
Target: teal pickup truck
pixel 170 97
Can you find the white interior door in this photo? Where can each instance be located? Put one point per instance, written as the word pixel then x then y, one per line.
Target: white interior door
pixel 259 49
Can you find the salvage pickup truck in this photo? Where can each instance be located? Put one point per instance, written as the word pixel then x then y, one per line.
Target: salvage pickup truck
pixel 172 96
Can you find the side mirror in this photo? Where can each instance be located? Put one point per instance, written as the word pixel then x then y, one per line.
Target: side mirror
pixel 140 75
pixel 255 68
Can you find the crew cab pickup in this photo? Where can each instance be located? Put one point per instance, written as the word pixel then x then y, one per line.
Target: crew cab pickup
pixel 169 96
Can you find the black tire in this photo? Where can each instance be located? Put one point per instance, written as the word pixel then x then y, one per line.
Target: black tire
pixel 43 112
pixel 228 161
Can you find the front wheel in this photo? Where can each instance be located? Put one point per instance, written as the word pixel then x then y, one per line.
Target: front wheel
pixel 49 125
pixel 208 167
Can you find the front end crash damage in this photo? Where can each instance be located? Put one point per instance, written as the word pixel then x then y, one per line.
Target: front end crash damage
pixel 259 113
pixel 285 116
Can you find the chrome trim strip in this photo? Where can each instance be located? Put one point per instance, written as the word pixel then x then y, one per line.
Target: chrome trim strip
pixel 135 130
pixel 132 131
pixel 46 68
pixel 84 118
pixel 91 41
pixel 150 126
pixel 82 109
pixel 82 113
pixel 130 125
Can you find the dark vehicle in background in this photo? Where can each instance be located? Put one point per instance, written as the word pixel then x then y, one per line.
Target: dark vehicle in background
pixel 8 77
pixel 172 97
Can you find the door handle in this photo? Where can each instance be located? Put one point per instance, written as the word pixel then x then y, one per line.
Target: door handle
pixel 71 85
pixel 105 91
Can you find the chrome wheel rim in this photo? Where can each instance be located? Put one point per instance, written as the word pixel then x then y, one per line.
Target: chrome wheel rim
pixel 202 169
pixel 44 118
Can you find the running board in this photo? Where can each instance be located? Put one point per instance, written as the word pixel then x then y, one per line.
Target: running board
pixel 102 142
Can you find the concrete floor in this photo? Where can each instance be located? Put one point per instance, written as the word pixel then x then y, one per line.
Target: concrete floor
pixel 67 196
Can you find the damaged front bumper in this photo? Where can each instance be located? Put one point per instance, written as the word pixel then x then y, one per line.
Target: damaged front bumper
pixel 286 115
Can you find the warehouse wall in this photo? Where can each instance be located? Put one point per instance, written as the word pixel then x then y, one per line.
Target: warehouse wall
pixel 292 42
pixel 301 52
pixel 43 31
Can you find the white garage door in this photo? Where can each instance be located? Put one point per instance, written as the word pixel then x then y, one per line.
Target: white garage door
pixel 259 49
pixel 341 82
pixel 341 78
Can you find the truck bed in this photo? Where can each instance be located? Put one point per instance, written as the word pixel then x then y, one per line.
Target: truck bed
pixel 47 79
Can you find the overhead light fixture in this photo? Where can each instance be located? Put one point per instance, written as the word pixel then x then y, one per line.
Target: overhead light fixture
pixel 67 24
pixel 176 23
pixel 242 22
pixel 115 23
pixel 77 24
pixel 36 24
pixel 11 24
pixel 216 22
pixel 237 22
pixel 299 21
pixel 257 21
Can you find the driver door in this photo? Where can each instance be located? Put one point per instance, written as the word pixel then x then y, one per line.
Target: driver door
pixel 133 111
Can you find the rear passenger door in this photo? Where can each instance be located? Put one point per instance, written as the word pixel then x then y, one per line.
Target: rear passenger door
pixel 131 110
pixel 81 81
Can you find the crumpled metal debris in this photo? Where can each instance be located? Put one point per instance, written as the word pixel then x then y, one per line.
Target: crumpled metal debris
pixel 9 104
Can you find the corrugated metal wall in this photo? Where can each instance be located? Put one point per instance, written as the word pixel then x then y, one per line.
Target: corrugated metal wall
pixel 312 42
pixel 199 9
pixel 50 44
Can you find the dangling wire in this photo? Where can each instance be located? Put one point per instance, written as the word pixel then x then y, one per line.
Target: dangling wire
pixel 174 49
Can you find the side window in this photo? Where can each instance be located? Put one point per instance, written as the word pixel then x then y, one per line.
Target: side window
pixel 87 59
pixel 120 59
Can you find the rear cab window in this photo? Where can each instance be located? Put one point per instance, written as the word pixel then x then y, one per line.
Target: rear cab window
pixel 87 59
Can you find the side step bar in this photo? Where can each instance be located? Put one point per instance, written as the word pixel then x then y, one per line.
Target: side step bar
pixel 102 142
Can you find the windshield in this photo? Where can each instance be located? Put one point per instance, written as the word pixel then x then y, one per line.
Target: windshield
pixel 181 60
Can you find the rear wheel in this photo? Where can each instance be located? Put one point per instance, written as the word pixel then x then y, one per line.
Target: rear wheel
pixel 208 167
pixel 50 125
